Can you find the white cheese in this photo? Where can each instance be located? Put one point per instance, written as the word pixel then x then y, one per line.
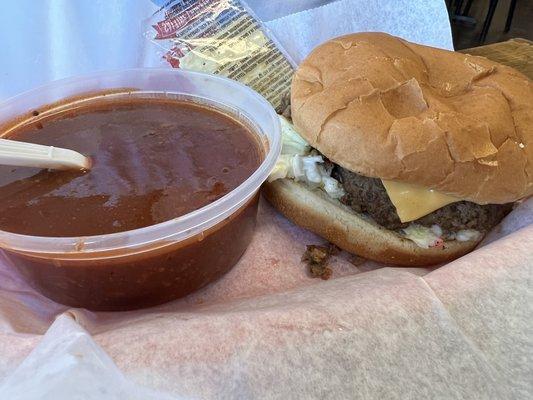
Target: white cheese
pixel 413 201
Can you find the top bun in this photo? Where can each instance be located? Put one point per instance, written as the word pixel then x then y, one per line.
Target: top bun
pixel 383 107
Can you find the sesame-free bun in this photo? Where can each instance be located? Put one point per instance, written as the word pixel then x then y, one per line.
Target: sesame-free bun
pixel 383 107
pixel 316 211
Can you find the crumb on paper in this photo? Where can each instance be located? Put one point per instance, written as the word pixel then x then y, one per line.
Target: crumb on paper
pixel 320 271
pixel 315 254
pixel 317 258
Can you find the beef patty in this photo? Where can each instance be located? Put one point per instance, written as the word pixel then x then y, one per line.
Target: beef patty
pixel 368 195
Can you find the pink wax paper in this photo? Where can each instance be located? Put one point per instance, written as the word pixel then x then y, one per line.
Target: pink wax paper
pixel 269 330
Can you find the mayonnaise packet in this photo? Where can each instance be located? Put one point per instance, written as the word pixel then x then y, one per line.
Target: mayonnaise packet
pixel 221 37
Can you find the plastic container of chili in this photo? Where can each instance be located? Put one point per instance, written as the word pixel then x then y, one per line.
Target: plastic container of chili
pixel 158 263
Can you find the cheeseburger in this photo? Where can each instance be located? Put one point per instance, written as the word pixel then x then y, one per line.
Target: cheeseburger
pixel 403 153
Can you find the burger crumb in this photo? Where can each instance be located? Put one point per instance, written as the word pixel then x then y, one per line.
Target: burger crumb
pixel 315 254
pixel 320 271
pixel 317 258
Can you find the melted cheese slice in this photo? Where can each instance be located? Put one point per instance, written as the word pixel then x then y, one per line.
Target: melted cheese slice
pixel 413 201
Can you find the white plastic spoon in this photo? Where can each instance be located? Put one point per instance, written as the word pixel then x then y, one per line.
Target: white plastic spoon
pixel 24 154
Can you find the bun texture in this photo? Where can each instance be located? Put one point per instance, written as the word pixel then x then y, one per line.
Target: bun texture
pixel 383 107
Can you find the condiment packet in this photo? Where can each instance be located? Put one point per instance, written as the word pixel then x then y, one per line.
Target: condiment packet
pixel 221 37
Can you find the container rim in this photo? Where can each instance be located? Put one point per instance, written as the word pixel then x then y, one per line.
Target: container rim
pixel 179 228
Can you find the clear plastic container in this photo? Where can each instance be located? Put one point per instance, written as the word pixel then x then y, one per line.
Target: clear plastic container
pixel 158 263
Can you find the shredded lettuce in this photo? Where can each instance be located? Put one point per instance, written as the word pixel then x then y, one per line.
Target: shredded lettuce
pixel 432 237
pixel 423 236
pixel 299 162
pixel 291 142
pixel 281 169
pixel 333 187
pixel 465 235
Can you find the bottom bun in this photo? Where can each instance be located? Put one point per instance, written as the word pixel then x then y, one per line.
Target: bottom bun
pixel 353 232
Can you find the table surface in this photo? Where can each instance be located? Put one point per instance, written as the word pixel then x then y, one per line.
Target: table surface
pixel 516 53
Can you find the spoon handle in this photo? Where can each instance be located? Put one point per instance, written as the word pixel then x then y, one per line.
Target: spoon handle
pixel 13 152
